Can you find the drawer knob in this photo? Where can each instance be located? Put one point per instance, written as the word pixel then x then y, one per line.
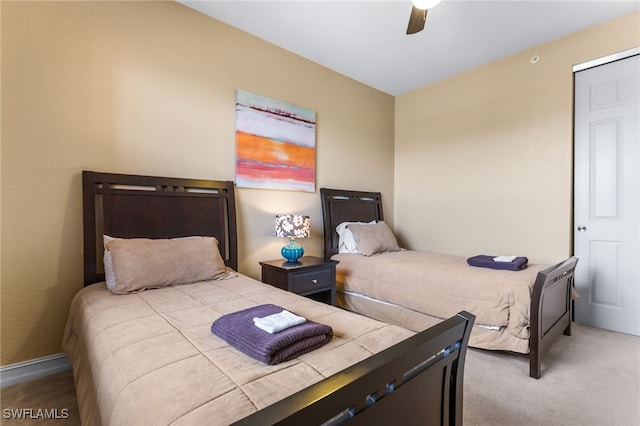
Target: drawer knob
pixel 314 281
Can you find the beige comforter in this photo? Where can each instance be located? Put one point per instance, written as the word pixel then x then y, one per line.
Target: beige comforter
pixel 439 286
pixel 150 358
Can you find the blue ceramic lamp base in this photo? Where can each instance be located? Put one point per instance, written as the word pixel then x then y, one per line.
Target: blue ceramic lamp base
pixel 292 251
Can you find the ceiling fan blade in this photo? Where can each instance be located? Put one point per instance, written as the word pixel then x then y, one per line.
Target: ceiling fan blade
pixel 416 20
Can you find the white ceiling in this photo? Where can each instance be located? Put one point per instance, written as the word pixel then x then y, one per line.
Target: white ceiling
pixel 366 40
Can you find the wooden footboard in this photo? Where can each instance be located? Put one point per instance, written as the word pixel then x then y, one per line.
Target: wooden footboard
pixel 417 382
pixel 550 310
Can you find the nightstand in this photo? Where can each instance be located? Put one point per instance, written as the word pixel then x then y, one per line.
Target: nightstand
pixel 310 276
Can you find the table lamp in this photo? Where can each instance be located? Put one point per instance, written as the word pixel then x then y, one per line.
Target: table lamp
pixel 292 226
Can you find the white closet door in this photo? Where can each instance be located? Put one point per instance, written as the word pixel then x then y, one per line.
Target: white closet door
pixel 607 195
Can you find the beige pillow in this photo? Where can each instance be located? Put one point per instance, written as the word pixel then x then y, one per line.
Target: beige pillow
pixel 346 242
pixel 140 263
pixel 374 238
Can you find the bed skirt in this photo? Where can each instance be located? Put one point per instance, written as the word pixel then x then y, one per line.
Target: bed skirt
pixel 481 337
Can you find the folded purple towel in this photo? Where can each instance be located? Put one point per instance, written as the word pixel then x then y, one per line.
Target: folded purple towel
pixel 485 261
pixel 239 331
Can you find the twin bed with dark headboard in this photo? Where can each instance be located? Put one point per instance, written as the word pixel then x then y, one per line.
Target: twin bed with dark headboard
pixel 144 352
pixel 520 310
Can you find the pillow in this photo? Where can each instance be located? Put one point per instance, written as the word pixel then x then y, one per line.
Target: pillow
pixel 375 238
pixel 346 242
pixel 108 264
pixel 139 263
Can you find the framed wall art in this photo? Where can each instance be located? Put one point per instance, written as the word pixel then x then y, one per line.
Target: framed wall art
pixel 275 144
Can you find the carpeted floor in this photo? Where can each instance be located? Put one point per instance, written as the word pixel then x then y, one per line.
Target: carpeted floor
pixel 25 403
pixel 590 378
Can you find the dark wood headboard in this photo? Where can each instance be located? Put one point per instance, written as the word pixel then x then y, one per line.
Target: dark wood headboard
pixel 132 206
pixel 346 206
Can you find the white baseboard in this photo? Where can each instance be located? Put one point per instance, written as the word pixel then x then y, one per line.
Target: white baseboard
pixel 33 369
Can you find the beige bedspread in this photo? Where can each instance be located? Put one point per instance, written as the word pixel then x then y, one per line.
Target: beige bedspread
pixel 150 358
pixel 439 285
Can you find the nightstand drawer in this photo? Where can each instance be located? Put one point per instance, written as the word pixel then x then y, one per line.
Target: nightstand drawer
pixel 310 276
pixel 308 281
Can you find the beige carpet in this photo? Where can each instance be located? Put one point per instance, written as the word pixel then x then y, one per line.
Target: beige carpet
pixel 590 378
pixel 25 403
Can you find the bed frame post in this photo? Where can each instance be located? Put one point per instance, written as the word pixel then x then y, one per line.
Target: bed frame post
pixel 89 226
pixel 550 310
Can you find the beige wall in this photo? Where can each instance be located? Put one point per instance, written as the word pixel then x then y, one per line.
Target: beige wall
pixel 484 158
pixel 149 88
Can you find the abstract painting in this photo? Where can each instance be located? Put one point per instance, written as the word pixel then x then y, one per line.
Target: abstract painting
pixel 275 144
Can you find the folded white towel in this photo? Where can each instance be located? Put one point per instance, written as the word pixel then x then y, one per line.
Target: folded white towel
pixel 504 258
pixel 278 322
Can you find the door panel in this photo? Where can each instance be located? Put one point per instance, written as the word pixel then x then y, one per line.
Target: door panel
pixel 605 169
pixel 605 263
pixel 607 195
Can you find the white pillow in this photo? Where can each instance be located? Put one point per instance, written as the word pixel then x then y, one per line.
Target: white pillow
pixel 108 264
pixel 346 241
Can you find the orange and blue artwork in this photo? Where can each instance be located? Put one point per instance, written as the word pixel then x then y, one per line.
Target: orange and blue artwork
pixel 275 144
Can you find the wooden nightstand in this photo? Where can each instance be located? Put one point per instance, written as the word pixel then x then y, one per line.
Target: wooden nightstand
pixel 310 276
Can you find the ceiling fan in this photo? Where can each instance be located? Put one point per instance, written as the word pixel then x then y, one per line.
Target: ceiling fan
pixel 418 15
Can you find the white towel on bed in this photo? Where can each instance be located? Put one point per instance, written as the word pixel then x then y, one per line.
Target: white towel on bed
pixel 278 322
pixel 504 258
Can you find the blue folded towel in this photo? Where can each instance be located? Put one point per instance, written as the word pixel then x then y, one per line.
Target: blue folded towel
pixel 239 331
pixel 485 261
